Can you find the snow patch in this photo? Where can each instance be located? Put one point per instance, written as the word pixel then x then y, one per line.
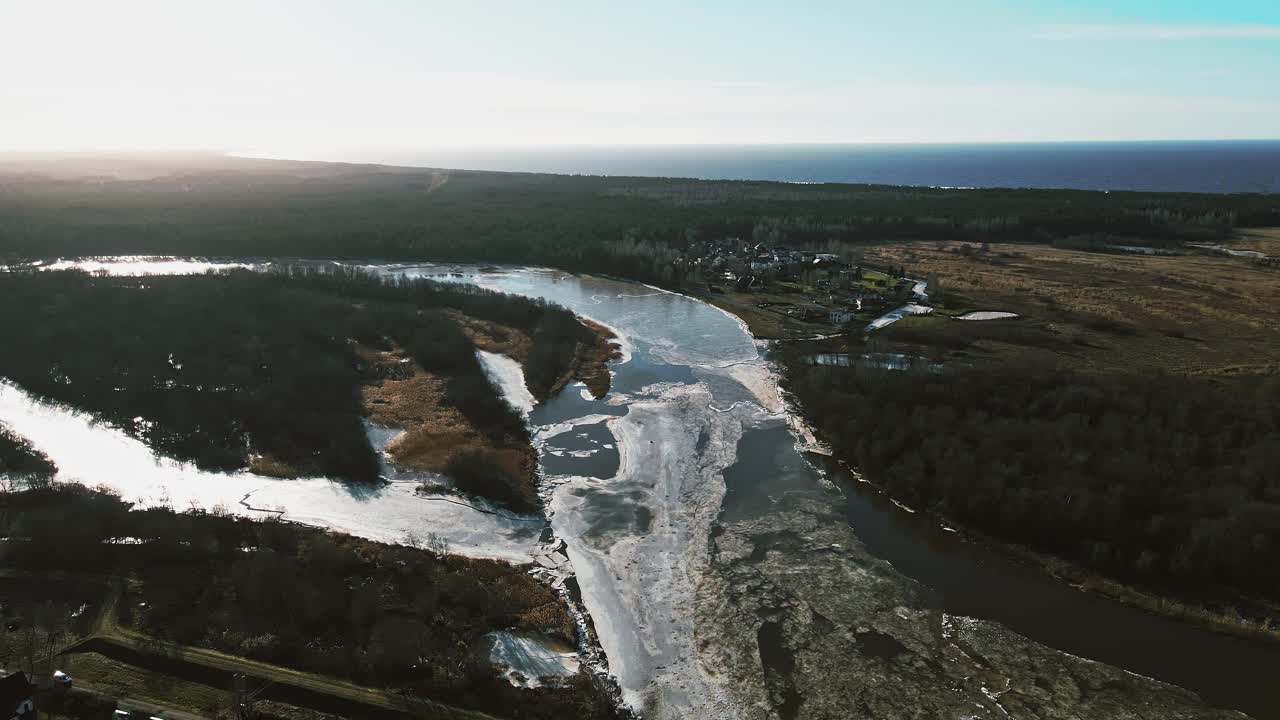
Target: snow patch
pixel 987 315
pixel 509 377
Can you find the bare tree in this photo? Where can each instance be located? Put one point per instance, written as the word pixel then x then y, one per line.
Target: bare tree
pixel 437 544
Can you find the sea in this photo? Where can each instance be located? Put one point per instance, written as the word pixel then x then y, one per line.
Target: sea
pixel 1228 166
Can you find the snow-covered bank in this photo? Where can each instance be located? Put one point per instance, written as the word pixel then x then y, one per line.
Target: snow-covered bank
pixel 147 265
pixel 987 315
pixel 509 377
pixel 87 450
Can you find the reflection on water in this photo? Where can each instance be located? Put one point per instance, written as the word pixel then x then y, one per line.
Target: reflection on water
pixel 970 579
pixel 585 451
pixel 770 450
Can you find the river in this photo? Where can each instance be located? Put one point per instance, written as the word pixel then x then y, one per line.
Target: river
pixel 728 572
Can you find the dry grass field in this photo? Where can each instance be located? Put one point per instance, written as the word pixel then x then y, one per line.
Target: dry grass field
pixel 435 431
pixel 1266 240
pixel 1184 314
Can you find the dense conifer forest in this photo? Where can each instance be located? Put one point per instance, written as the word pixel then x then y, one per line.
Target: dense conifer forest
pixel 1164 480
pixel 221 367
pixel 633 227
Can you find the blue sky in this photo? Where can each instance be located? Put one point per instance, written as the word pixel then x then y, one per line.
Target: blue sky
pixel 295 75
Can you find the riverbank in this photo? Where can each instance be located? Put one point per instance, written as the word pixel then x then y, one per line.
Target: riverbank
pixel 820 593
pixel 1097 317
pixel 380 615
pixel 1081 578
pixel 956 444
pixel 435 436
pixel 588 364
pixel 763 323
pixel 839 632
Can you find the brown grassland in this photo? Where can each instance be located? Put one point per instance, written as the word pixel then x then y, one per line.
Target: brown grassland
pixel 1184 314
pixel 1265 240
pixel 406 396
pixel 434 431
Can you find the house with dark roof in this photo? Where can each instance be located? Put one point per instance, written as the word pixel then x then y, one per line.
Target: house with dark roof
pixel 17 697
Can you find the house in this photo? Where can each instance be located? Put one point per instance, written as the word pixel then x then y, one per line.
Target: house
pixel 840 316
pixel 17 697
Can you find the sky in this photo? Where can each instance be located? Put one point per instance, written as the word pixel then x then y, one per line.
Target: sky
pixel 298 76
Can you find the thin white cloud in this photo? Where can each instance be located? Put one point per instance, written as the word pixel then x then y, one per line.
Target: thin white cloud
pixel 1157 32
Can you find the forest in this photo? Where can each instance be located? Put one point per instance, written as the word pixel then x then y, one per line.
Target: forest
pixel 391 616
pixel 228 369
pixel 1162 480
pixel 19 459
pixel 632 227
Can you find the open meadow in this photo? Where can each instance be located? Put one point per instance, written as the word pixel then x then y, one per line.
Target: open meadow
pixel 1198 314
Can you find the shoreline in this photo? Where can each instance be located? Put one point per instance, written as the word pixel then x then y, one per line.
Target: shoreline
pixel 1087 581
pixel 1051 566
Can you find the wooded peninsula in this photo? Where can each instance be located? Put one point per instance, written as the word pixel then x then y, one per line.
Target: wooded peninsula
pixel 298 360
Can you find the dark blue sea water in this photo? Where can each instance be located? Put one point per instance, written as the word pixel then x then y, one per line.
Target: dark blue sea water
pixel 1218 166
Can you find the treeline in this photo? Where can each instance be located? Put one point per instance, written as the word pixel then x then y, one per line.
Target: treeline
pixel 634 227
pixel 1164 480
pixel 381 615
pixel 555 331
pixel 220 368
pixel 18 459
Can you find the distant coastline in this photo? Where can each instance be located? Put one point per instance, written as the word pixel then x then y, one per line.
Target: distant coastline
pixel 1220 166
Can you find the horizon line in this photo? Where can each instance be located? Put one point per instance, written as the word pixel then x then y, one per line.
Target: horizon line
pixel 268 154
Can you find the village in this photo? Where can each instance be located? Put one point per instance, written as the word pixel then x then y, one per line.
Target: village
pixel 790 293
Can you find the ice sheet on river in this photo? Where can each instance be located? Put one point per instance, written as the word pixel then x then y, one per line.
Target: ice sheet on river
pixel 634 538
pixel 803 617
